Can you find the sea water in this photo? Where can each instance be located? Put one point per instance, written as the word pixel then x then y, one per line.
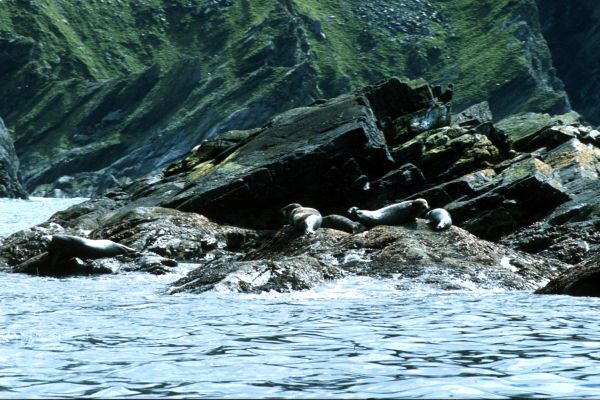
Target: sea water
pixel 123 336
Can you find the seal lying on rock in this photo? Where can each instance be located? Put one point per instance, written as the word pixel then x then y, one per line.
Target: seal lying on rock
pixel 439 219
pixel 341 223
pixel 394 214
pixel 305 219
pixel 67 246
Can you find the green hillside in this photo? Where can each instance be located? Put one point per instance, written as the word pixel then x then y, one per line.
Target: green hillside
pixel 104 89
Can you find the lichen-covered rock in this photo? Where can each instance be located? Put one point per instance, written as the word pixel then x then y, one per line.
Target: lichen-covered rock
pixel 246 183
pixel 581 280
pixel 570 231
pixel 10 186
pixel 448 153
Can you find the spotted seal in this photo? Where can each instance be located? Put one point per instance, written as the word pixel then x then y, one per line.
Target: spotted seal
pixel 439 219
pixel 394 214
pixel 305 219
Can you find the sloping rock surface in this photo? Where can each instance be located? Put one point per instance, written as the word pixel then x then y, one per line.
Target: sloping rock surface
pixel 581 280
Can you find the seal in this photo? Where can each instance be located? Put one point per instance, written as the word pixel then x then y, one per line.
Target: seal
pixel 341 223
pixel 68 246
pixel 439 219
pixel 395 214
pixel 304 219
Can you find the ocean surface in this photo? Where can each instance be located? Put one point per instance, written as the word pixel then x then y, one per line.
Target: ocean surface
pixel 122 336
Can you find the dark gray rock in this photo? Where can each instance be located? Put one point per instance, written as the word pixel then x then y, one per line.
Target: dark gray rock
pixel 281 275
pixel 10 186
pixel 570 231
pixel 474 115
pixel 571 29
pixel 581 280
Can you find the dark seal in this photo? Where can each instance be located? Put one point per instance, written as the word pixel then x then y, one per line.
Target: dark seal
pixel 395 214
pixel 341 223
pixel 68 246
pixel 439 219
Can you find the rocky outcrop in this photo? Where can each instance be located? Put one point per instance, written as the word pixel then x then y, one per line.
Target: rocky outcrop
pixel 533 191
pixel 413 254
pixel 9 167
pixel 91 112
pixel 581 280
pixel 571 29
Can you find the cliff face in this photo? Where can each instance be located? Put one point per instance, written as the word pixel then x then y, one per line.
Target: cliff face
pixel 572 29
pixel 103 91
pixel 9 166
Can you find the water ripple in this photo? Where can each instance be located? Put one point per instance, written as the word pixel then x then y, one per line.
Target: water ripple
pixel 121 336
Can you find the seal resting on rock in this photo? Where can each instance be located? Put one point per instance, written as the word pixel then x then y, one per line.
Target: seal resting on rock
pixel 394 214
pixel 304 219
pixel 341 223
pixel 439 219
pixel 68 246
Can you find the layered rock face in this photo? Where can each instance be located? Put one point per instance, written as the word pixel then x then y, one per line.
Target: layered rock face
pixel 394 141
pixel 10 186
pixel 572 30
pixel 100 94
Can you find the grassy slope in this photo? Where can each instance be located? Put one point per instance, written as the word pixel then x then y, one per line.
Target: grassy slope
pixel 92 49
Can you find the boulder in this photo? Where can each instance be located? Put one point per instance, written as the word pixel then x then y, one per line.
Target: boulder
pixel 474 115
pixel 184 236
pixel 447 153
pixel 44 265
pixel 255 276
pixel 581 280
pixel 160 235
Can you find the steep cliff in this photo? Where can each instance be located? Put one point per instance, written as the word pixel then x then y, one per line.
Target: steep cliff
pixel 106 90
pixel 572 29
pixel 9 167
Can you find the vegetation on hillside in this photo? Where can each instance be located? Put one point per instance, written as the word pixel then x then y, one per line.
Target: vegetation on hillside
pixel 128 86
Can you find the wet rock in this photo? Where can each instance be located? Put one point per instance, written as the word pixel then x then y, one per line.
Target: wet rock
pixel 45 265
pixel 10 186
pixel 171 233
pixel 145 262
pixel 255 276
pixel 449 260
pixel 26 244
pixel 453 259
pixel 581 280
pixel 84 216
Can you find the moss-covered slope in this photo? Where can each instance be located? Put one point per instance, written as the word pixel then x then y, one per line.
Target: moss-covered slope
pixel 104 89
